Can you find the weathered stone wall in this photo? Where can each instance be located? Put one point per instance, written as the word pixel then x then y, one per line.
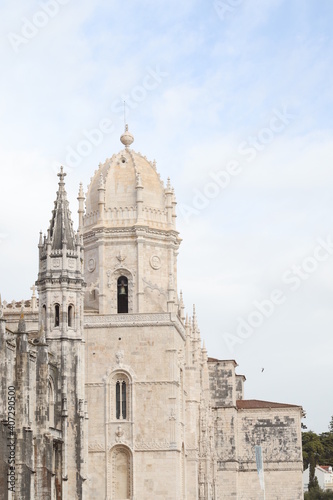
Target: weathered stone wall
pixel 149 357
pixel 277 430
pixel 222 382
pixel 279 485
pixel 240 379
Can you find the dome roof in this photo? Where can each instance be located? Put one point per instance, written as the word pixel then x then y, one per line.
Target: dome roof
pixel 121 174
pixel 121 177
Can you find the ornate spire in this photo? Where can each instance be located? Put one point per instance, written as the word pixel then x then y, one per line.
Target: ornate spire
pixel 61 226
pixel 195 323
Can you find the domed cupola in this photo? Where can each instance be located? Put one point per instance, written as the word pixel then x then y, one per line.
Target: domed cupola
pixel 130 238
pixel 127 190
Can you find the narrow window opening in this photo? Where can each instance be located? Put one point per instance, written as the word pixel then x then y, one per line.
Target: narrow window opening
pixel 44 316
pixel 118 400
pixel 123 394
pixel 70 316
pixel 56 315
pixel 122 294
pixel 121 400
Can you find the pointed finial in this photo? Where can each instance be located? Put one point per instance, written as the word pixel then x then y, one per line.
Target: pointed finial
pixel 81 193
pixel 61 175
pixel 138 180
pixel 204 352
pixel 126 138
pixel 101 181
pixel 194 319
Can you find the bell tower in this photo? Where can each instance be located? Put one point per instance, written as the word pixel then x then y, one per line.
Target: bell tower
pixel 60 286
pixel 134 331
pixel 130 237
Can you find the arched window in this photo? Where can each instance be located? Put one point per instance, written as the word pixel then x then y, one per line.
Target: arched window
pixel 70 317
pixel 122 294
pixel 120 397
pixel 56 315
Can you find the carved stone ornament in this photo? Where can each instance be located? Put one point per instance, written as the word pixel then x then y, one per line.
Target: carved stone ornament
pixel 95 446
pixel 121 257
pixel 93 286
pixel 119 357
pixel 119 434
pixel 153 287
pixel 155 262
pixel 91 266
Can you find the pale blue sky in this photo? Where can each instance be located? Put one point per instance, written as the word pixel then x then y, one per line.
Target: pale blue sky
pixel 218 88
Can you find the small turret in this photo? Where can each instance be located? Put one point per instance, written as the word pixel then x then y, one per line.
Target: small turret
pixel 168 195
pixel 61 286
pixel 61 270
pixel 101 197
pixel 181 307
pixel 80 199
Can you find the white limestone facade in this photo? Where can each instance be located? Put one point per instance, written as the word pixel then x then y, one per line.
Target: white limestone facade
pixel 124 402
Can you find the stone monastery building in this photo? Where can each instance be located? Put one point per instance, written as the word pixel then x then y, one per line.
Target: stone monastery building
pixel 114 395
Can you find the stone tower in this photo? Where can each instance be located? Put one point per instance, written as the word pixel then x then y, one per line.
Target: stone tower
pixel 134 335
pixel 61 286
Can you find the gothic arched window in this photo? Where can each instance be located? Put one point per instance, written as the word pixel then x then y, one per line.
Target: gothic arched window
pixel 70 317
pixel 122 294
pixel 56 315
pixel 120 397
